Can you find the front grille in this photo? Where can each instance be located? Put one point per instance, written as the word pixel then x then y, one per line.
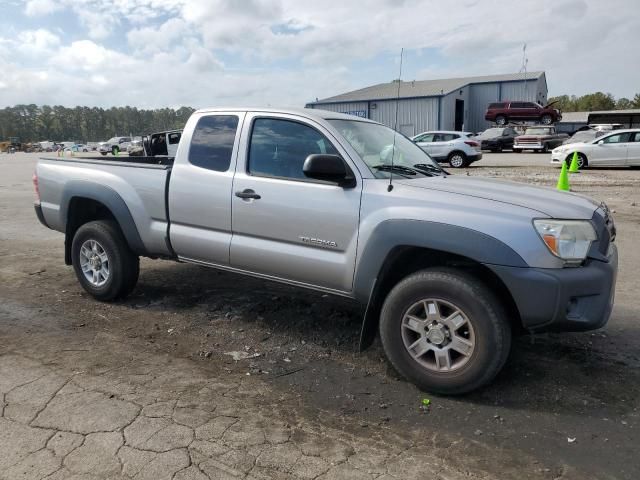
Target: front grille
pixel 528 141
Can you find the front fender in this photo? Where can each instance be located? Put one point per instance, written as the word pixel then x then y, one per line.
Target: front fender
pixel 453 239
pixel 390 234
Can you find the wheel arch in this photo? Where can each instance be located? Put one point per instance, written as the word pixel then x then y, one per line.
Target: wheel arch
pixel 84 202
pixel 388 258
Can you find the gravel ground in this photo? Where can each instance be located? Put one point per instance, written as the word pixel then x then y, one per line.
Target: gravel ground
pixel 149 387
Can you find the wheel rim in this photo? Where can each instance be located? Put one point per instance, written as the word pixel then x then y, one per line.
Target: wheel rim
pixel 438 335
pixel 501 120
pixel 94 263
pixel 456 161
pixel 546 120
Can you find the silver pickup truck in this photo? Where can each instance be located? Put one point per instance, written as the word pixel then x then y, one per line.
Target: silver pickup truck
pixel 449 267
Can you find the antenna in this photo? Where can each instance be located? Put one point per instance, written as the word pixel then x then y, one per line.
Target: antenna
pixel 395 127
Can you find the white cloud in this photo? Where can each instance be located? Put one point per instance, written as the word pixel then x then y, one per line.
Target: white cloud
pixel 223 52
pixel 40 7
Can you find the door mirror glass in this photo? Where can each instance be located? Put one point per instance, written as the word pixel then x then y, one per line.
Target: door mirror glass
pixel 329 168
pixel 600 142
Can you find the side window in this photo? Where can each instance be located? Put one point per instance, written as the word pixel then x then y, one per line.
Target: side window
pixel 212 142
pixel 279 147
pixel 174 138
pixel 518 105
pixel 635 137
pixel 428 137
pixel 619 138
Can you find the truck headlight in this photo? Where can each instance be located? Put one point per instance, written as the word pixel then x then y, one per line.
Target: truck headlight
pixel 567 239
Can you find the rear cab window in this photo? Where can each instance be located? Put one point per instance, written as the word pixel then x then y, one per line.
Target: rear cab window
pixel 212 142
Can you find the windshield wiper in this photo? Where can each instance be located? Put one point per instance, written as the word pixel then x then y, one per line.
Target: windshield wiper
pixel 429 168
pixel 396 168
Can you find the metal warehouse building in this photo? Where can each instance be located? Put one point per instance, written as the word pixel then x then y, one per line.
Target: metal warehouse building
pixel 446 104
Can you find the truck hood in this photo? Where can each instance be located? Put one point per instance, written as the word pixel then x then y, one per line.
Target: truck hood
pixel 546 201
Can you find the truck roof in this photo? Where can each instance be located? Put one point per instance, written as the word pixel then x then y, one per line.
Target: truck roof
pixel 304 112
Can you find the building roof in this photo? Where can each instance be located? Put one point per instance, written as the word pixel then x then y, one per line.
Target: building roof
pixel 583 117
pixel 422 88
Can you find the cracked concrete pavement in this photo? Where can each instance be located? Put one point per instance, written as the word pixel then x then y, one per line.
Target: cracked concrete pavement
pixel 149 416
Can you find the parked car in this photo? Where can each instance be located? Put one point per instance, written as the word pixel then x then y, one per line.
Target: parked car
pixel 456 148
pixel 77 147
pixel 496 139
pixel 114 145
pixel 135 148
pixel 584 136
pixel 615 148
pixel 503 112
pixel 448 265
pixel 539 139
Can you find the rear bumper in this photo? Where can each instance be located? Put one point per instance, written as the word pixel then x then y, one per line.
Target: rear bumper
pixel 38 208
pixel 475 157
pixel 566 299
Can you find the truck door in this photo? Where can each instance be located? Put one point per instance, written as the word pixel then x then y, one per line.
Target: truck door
pixel 286 225
pixel 200 188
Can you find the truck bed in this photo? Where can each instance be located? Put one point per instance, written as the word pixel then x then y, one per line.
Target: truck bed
pixel 140 183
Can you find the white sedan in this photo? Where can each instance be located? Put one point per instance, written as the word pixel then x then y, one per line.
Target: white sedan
pixel 617 148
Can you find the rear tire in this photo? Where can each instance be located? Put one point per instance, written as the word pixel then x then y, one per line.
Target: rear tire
pixel 103 262
pixel 546 119
pixel 473 319
pixel 103 153
pixel 458 160
pixel 501 120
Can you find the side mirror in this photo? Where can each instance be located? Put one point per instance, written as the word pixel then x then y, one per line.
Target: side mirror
pixel 329 168
pixel 600 142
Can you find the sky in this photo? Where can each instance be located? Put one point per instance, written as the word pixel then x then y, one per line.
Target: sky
pixel 206 53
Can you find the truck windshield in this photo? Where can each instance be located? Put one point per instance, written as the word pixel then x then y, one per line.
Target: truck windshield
pixel 374 144
pixel 537 131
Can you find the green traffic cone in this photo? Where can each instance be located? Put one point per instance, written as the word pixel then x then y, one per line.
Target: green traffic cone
pixel 563 180
pixel 574 168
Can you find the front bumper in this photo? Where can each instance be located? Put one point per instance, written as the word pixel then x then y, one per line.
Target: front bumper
pixel 565 299
pixel 533 146
pixel 557 157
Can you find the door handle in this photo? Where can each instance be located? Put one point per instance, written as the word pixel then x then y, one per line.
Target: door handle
pixel 247 194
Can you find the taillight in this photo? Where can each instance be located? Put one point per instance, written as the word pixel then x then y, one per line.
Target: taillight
pixel 35 186
pixel 471 143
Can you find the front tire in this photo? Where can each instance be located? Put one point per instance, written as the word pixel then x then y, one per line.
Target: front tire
pixel 546 119
pixel 445 331
pixel 501 120
pixel 458 160
pixel 582 161
pixel 103 262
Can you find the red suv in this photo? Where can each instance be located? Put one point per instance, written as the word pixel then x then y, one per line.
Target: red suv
pixel 503 112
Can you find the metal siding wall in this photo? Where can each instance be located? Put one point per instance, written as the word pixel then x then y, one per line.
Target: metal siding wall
pixel 516 91
pixel 448 113
pixel 345 107
pixel 481 96
pixel 421 113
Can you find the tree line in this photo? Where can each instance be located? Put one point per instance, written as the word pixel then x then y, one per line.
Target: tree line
pixel 593 102
pixel 33 123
